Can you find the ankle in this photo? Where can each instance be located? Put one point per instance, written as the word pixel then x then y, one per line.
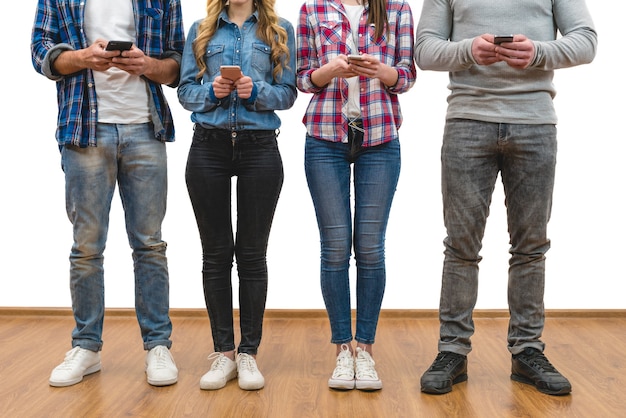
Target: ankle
pixel 343 347
pixel 368 348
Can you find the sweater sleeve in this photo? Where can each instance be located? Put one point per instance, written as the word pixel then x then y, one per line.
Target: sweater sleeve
pixel 578 43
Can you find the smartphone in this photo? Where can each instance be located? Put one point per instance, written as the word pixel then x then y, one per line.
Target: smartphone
pixel 119 45
pixel 231 72
pixel 355 57
pixel 498 39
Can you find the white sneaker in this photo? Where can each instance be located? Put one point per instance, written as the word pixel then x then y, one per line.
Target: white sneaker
pixel 343 375
pixel 366 376
pixel 250 378
pixel 160 367
pixel 78 363
pixel 222 370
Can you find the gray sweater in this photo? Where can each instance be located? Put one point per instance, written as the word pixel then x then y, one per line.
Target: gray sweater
pixel 499 93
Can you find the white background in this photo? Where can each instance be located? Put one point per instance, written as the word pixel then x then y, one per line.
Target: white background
pixel 585 268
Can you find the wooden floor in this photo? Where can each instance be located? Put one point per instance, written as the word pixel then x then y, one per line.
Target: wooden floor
pixel 297 359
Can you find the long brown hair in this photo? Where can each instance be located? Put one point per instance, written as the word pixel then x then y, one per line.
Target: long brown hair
pixel 269 31
pixel 378 16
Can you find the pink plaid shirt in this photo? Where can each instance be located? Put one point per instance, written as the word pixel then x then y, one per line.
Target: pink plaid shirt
pixel 322 33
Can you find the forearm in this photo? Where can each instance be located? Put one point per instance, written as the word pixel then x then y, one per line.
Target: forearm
pixel 69 62
pixel 163 71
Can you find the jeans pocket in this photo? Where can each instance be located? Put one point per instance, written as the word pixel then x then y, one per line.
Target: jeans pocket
pixel 266 141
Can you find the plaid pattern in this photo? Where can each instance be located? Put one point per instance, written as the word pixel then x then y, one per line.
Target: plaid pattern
pixel 160 34
pixel 322 32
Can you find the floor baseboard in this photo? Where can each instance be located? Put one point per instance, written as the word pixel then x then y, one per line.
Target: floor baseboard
pixel 317 313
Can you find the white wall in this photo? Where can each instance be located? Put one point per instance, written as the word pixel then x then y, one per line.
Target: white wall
pixel 587 228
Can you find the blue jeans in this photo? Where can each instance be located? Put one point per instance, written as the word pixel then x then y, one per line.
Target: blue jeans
pixel 214 158
pixel 376 173
pixel 129 156
pixel 473 153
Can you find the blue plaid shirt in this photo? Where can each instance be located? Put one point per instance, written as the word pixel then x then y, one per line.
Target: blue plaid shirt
pixel 59 27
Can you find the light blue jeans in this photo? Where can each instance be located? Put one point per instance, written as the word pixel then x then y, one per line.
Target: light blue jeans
pixel 376 173
pixel 473 153
pixel 129 156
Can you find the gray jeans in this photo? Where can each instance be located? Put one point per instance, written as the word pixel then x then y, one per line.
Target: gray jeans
pixel 472 155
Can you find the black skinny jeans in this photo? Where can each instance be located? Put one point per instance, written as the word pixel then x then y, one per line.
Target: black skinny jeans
pixel 214 158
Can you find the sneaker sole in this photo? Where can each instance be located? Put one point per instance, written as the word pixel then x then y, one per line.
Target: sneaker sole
pixel 369 384
pixel 521 379
pixel 341 384
pixel 251 386
pixel 165 382
pixel 64 383
pixel 218 385
pixel 440 391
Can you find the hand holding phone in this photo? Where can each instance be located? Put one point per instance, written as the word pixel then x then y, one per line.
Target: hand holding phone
pixel 231 72
pixel 498 39
pixel 119 45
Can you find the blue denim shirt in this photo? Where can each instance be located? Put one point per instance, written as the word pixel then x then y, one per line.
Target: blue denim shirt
pixel 232 45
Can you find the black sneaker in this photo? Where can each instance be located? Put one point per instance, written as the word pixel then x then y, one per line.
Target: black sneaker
pixel 533 368
pixel 447 369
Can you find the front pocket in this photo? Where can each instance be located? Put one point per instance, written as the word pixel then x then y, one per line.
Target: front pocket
pixel 213 58
pixel 261 57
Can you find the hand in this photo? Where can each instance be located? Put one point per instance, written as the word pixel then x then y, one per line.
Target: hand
pixel 133 61
pixel 484 50
pixel 371 67
pixel 337 67
pixel 244 87
pixel 222 87
pixel 517 54
pixel 96 57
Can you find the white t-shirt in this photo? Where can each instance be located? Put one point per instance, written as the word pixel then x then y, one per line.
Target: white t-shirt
pixel 354 105
pixel 122 97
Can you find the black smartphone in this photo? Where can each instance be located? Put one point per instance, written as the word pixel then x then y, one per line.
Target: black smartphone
pixel 498 39
pixel 119 45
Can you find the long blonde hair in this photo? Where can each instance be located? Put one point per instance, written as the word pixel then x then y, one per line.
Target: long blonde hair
pixel 268 31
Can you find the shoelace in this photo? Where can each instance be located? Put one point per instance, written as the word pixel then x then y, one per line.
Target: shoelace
pixel 70 358
pixel 220 361
pixel 365 366
pixel 161 358
pixel 345 365
pixel 443 361
pixel 247 362
pixel 538 360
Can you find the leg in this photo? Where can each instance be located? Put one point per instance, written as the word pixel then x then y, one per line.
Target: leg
pixel 90 176
pixel 470 165
pixel 208 176
pixel 469 170
pixel 259 170
pixel 328 176
pixel 528 176
pixel 376 173
pixel 143 190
